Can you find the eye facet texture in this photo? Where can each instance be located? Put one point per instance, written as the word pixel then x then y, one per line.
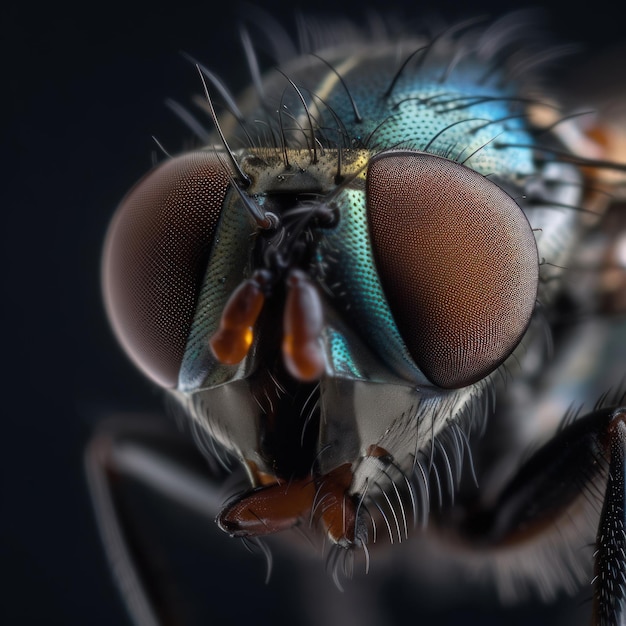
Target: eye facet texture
pixel 457 260
pixel 155 257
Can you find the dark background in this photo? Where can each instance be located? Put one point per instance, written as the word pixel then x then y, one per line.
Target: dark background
pixel 85 86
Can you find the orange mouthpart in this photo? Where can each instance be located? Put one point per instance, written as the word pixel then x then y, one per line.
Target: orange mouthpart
pixel 270 509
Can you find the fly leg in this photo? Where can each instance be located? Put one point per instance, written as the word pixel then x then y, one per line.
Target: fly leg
pixel 609 598
pixel 131 460
pixel 550 509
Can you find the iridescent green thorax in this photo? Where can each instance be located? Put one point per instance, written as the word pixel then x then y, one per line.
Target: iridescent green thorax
pixel 459 115
pixel 443 99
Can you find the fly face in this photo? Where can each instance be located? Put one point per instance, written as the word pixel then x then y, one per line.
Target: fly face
pixel 336 301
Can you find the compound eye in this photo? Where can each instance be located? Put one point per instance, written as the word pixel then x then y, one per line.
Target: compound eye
pixel 155 256
pixel 457 260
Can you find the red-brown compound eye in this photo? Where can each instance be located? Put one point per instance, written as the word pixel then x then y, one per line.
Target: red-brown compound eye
pixel 155 256
pixel 457 260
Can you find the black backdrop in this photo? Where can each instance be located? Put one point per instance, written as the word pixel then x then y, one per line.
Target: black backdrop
pixel 85 87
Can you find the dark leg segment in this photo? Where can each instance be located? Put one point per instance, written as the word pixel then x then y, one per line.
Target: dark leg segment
pixel 609 598
pixel 146 454
pixel 563 486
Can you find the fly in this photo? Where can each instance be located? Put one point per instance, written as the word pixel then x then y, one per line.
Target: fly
pixel 360 293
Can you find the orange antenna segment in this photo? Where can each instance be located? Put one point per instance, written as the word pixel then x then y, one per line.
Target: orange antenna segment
pixel 302 327
pixel 233 339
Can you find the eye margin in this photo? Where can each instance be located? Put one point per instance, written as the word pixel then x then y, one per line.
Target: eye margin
pixel 450 358
pixel 151 271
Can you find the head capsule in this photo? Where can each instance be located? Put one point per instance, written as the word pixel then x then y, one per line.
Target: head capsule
pixel 325 320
